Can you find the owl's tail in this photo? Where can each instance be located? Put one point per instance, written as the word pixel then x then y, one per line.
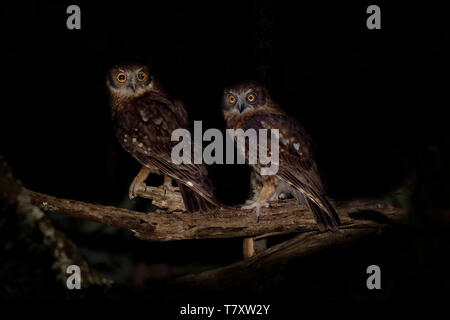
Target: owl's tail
pixel 324 213
pixel 194 201
pixel 326 220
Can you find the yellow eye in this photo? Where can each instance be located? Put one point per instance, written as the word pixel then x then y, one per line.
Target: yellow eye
pixel 142 76
pixel 232 99
pixel 251 97
pixel 121 77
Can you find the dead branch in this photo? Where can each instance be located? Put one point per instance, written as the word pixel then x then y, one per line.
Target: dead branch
pixel 163 198
pixel 281 218
pixel 246 270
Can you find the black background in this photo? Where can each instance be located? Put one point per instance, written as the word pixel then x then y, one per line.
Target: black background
pixel 374 101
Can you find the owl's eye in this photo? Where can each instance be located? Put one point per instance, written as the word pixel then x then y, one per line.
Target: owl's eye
pixel 121 77
pixel 232 99
pixel 142 76
pixel 251 97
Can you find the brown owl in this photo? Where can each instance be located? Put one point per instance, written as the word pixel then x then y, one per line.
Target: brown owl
pixel 249 106
pixel 144 117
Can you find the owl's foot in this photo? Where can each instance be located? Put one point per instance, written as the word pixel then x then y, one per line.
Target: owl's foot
pixel 167 185
pixel 170 187
pixel 258 205
pixel 135 187
pixel 138 183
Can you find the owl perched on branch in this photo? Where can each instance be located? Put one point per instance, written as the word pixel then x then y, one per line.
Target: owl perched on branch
pixel 249 106
pixel 144 117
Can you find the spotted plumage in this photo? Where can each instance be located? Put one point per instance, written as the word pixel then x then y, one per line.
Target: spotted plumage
pixel 249 105
pixel 144 117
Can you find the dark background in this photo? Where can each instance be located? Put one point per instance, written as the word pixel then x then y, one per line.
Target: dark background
pixel 374 101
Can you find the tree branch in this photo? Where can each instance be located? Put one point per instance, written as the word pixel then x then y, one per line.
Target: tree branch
pixel 35 242
pixel 283 217
pixel 162 198
pixel 245 271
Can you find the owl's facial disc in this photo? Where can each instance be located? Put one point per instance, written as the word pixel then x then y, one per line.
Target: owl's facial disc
pixel 130 80
pixel 244 97
pixel 242 101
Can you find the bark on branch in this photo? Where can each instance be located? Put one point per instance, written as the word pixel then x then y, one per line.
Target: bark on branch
pixel 281 218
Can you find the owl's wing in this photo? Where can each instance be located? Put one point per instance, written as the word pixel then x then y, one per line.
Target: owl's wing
pixel 190 177
pixel 148 128
pixel 297 166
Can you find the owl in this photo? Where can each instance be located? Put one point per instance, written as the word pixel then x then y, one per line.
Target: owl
pixel 248 105
pixel 144 117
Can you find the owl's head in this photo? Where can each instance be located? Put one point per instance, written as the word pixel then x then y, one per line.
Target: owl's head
pixel 129 79
pixel 244 97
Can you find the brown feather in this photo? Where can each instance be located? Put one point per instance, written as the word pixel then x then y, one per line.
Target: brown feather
pixel 297 166
pixel 143 123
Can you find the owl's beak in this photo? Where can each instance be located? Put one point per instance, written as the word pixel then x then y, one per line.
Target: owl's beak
pixel 241 107
pixel 133 86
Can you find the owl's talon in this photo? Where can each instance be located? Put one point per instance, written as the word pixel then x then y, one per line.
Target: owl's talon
pixel 258 205
pixel 167 185
pixel 170 188
pixel 135 187
pixel 249 204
